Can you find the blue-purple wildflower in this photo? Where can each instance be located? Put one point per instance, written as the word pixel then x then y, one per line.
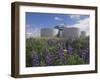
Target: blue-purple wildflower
pixel 35 58
pixel 70 50
pixel 61 55
pixel 48 59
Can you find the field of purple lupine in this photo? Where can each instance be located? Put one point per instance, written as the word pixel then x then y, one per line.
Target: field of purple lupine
pixel 56 51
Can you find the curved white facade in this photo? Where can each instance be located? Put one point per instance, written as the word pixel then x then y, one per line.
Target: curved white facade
pixel 48 32
pixel 70 33
pixel 83 34
pixel 67 33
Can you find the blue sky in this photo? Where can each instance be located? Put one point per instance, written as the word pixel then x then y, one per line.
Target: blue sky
pixel 51 20
pixel 36 21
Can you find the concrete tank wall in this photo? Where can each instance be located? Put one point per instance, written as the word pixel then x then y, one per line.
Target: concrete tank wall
pixel 83 34
pixel 70 33
pixel 48 32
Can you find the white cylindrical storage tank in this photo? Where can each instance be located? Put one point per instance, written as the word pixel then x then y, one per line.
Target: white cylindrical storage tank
pixel 48 32
pixel 83 34
pixel 70 33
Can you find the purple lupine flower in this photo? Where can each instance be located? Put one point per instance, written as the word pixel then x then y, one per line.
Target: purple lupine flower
pixel 35 58
pixel 83 54
pixel 61 55
pixel 48 59
pixel 88 51
pixel 70 50
pixel 86 55
pixel 79 52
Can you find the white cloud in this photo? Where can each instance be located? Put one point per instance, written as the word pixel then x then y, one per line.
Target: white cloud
pixel 75 16
pixel 28 35
pixel 27 25
pixel 32 31
pixel 57 18
pixel 83 25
